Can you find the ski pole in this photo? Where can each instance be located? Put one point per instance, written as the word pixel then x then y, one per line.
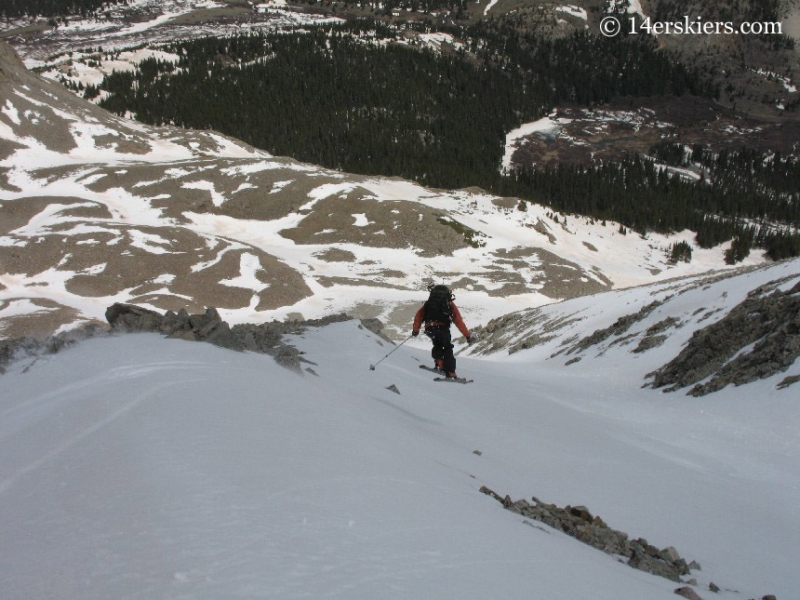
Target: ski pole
pixel 372 367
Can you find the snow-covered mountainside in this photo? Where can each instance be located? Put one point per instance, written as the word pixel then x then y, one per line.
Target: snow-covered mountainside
pixel 706 331
pixel 95 210
pixel 138 23
pixel 136 466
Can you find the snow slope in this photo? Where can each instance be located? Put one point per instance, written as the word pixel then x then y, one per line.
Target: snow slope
pixel 138 467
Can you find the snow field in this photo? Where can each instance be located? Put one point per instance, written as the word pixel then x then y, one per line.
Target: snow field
pixel 141 467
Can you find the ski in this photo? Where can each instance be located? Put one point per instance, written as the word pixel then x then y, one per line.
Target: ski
pixel 454 379
pixel 440 372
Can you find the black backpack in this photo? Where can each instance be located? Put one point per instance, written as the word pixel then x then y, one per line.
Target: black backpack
pixel 437 307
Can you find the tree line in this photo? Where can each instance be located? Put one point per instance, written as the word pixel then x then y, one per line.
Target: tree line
pixel 742 199
pixel 328 96
pixel 325 97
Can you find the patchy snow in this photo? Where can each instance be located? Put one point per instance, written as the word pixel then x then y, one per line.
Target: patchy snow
pixel 625 260
pixel 11 113
pixel 327 190
pixel 546 126
pixel 574 11
pixel 154 244
pixel 384 280
pixel 633 7
pixel 489 6
pixel 84 69
pixel 361 220
pixel 14 308
pixel 208 186
pixel 152 22
pixel 249 266
pixel 263 7
pixel 636 7
pixel 164 279
pixel 784 81
pixel 279 185
pixel 437 40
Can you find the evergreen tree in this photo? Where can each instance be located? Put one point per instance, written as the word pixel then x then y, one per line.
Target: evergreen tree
pixel 12 9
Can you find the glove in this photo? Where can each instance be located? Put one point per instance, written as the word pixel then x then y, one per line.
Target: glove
pixel 473 337
pixel 414 333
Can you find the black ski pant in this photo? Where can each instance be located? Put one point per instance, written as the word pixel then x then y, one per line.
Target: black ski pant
pixel 442 347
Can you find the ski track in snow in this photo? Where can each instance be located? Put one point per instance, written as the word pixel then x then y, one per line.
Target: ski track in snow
pixel 8 483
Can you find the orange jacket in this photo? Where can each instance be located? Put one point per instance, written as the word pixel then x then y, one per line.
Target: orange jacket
pixel 455 315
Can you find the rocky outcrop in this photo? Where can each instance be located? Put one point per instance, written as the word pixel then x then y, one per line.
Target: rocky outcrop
pixel 15 349
pixel 655 335
pixel 578 522
pixel 757 339
pixel 620 326
pixel 207 327
pixel 266 338
pixel 688 593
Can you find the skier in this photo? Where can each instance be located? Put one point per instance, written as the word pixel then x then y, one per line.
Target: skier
pixel 437 314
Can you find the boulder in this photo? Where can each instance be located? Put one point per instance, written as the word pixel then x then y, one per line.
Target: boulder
pixel 128 317
pixel 688 592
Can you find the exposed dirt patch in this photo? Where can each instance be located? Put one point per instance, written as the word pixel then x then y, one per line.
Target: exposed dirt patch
pixel 40 324
pixel 392 224
pixel 11 66
pixel 332 281
pixel 242 189
pixel 17 213
pixel 336 255
pixel 37 120
pixel 167 265
pixel 214 15
pixel 522 270
pixel 390 274
pixel 122 143
pixel 7 149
